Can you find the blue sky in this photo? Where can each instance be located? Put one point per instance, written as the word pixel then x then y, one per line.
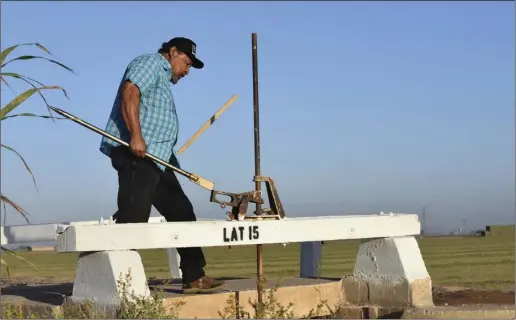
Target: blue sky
pixel 365 106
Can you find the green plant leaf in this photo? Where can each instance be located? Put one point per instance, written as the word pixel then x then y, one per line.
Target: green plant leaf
pixel 19 76
pixel 29 81
pixel 16 207
pixel 32 115
pixel 6 265
pixel 7 51
pixel 30 57
pixel 5 213
pixel 7 84
pixel 24 96
pixel 24 162
pixel 17 256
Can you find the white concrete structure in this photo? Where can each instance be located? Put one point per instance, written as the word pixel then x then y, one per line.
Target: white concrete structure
pixel 47 232
pixel 34 233
pixel 394 272
pixel 389 258
pixel 389 269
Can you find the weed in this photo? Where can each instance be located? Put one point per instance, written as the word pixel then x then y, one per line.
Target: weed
pixel 272 308
pixel 233 309
pixel 323 311
pixel 15 311
pixel 85 310
pixel 269 308
pixel 135 307
pixel 131 306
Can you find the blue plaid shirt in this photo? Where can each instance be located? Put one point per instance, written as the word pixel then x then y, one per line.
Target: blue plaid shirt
pixel 158 118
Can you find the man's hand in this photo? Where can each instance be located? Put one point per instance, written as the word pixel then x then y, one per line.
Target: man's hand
pixel 138 146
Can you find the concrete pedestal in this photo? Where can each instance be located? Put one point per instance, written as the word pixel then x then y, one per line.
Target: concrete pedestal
pixel 99 274
pixel 389 272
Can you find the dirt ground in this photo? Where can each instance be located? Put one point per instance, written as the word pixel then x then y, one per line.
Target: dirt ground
pixel 443 296
pixel 452 296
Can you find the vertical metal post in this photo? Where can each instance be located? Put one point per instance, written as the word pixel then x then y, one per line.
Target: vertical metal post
pixel 258 187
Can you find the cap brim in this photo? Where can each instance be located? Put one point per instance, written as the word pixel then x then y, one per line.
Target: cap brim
pixel 197 64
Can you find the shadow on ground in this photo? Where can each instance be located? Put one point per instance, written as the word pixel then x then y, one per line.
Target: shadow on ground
pixel 55 293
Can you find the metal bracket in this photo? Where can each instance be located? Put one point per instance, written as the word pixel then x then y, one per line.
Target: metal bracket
pixel 276 207
pixel 239 202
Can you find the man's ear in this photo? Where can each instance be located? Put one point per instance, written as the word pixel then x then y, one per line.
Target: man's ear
pixel 173 51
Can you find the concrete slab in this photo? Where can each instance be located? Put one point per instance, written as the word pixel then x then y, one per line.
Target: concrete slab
pixel 173 288
pixel 368 312
pixel 304 293
pixel 462 312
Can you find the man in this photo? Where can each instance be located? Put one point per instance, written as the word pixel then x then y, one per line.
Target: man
pixel 144 115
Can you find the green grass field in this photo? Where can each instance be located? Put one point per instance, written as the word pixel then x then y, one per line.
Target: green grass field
pixel 475 262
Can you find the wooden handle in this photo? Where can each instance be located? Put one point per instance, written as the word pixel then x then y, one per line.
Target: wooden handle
pixel 207 124
pixel 205 183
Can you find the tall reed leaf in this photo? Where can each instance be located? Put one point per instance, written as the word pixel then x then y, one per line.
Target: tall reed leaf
pixel 16 207
pixel 24 163
pixel 6 52
pixel 29 57
pixel 22 97
pixel 35 87
pixel 31 82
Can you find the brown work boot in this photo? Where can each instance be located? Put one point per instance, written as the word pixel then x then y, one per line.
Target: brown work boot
pixel 203 285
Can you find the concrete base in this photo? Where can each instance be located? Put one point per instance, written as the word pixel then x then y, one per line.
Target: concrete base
pixel 389 272
pixel 101 277
pixel 466 312
pixel 368 312
pixel 304 294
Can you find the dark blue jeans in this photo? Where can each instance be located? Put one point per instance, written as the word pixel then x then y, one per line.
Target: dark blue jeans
pixel 142 184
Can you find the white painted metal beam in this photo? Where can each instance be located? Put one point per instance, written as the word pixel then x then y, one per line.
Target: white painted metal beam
pixel 28 233
pixel 33 233
pixel 80 238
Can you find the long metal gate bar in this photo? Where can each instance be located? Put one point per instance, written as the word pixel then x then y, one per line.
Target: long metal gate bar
pixel 205 183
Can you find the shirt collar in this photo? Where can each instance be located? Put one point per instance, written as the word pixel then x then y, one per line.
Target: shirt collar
pixel 165 63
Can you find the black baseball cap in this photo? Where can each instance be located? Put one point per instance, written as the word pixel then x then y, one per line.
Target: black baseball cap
pixel 187 47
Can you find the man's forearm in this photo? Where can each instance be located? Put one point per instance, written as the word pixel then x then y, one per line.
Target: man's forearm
pixel 130 108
